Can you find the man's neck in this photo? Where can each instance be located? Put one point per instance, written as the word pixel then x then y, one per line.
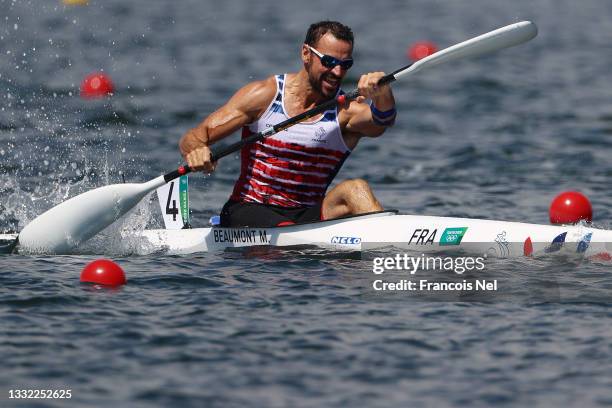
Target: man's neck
pixel 302 94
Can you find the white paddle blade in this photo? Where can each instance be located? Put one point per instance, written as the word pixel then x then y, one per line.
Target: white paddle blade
pixel 65 226
pixel 504 37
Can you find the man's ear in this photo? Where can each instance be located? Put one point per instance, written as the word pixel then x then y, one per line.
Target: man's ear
pixel 306 54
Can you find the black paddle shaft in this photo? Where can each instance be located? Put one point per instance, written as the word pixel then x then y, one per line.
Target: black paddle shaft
pixel 217 152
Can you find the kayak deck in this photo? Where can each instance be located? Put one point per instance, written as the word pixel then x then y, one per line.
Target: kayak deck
pixel 426 234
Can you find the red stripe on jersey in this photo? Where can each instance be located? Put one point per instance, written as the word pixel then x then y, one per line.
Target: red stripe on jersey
pixel 270 191
pixel 292 164
pixel 286 184
pixel 292 154
pixel 307 192
pixel 285 175
pixel 315 151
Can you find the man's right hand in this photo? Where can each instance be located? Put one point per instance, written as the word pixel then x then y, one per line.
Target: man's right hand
pixel 199 160
pixel 196 152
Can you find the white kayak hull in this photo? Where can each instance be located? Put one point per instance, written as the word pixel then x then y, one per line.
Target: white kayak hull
pixel 423 234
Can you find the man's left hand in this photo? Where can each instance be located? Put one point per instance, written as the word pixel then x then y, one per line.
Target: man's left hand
pixel 369 88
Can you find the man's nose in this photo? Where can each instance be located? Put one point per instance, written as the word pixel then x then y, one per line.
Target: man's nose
pixel 337 71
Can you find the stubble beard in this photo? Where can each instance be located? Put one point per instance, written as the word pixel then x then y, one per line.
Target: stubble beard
pixel 317 85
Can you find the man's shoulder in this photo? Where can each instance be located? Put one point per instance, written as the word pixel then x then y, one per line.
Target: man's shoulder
pixel 261 91
pixel 264 85
pixel 255 97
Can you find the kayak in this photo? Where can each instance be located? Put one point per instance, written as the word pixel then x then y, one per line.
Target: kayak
pixel 424 234
pixel 385 229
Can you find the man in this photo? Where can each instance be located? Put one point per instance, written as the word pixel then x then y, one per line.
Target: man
pixel 284 178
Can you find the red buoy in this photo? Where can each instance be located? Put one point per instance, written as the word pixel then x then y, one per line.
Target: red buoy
pixel 570 207
pixel 602 257
pixel 97 85
pixel 103 272
pixel 421 49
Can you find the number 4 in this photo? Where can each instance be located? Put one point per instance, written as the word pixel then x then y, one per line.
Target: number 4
pixel 174 209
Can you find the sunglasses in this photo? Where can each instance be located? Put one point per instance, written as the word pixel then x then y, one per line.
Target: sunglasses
pixel 330 62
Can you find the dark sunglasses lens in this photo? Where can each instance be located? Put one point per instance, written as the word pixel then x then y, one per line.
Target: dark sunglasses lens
pixel 329 62
pixel 346 64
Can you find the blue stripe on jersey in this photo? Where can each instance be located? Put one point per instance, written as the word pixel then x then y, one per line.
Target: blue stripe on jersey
pixel 281 82
pixel 277 107
pixel 329 116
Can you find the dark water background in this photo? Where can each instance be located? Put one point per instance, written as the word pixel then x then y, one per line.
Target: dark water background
pixel 495 137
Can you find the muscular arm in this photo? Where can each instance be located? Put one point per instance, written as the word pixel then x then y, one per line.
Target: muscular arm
pixel 356 120
pixel 243 107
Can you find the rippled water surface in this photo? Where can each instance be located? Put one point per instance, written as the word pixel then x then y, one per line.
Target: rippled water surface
pixel 496 137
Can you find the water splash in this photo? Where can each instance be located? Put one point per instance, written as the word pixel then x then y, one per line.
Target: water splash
pixel 122 238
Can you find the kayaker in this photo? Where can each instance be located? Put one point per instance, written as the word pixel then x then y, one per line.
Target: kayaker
pixel 284 178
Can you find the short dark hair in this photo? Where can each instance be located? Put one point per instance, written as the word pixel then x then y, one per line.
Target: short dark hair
pixel 338 30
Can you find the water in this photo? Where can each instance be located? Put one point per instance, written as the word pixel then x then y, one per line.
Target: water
pixel 497 137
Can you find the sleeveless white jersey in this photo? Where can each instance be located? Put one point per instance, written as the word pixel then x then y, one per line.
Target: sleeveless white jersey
pixel 294 167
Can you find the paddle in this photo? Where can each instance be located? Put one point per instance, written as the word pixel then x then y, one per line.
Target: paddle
pixel 66 225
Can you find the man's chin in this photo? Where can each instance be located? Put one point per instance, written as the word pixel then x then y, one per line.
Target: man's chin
pixel 328 91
